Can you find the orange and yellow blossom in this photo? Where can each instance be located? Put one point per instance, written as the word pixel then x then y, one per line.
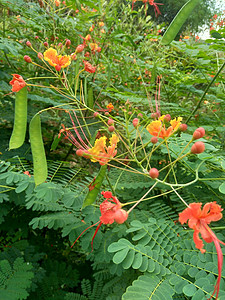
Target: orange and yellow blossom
pixel 157 128
pixel 100 152
pixel 55 60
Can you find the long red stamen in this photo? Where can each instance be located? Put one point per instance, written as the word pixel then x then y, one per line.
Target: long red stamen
pixel 96 231
pixel 85 230
pixel 219 260
pixel 220 264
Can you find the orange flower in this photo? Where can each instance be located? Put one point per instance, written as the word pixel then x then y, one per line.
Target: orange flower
pixel 110 107
pixel 199 220
pixel 100 152
pixel 157 128
pixel 88 67
pixel 55 60
pixel 93 46
pixel 101 24
pixel 111 212
pixel 17 83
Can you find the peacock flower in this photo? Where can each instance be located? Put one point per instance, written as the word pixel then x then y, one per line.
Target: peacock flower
pixel 156 9
pixel 111 212
pixel 88 67
pixel 17 83
pixel 55 60
pixel 110 107
pixel 93 46
pixel 151 2
pixel 157 128
pixel 101 152
pixel 199 220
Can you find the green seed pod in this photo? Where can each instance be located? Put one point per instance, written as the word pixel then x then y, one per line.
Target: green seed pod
pixel 178 21
pixel 38 150
pixel 20 120
pixel 93 193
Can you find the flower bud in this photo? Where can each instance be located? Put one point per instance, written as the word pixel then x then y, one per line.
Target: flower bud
pixel 167 118
pixel 120 216
pixel 73 56
pixel 40 55
pixel 36 37
pixel 99 49
pixel 111 128
pixel 95 114
pixel 183 127
pixel 198 148
pixel 199 133
pixel 68 43
pixel 79 48
pixel 154 140
pixel 28 44
pixel 79 152
pixel 27 59
pixel 154 173
pixel 45 44
pixel 110 122
pixel 154 115
pixel 135 122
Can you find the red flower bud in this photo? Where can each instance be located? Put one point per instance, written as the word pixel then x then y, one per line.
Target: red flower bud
pixel 183 127
pixel 154 140
pixel 167 118
pixel 95 114
pixel 198 147
pixel 154 173
pixel 79 152
pixel 135 122
pixel 40 55
pixel 199 133
pixel 27 59
pixel 45 44
pixel 80 48
pixel 110 122
pixel 111 128
pixel 28 44
pixel 68 43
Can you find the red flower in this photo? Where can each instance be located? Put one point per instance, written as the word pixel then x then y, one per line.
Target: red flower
pixel 88 67
pixel 110 212
pixel 17 83
pixel 199 220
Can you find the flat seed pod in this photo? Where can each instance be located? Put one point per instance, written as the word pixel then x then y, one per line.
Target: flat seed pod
pixel 38 150
pixel 20 120
pixel 178 21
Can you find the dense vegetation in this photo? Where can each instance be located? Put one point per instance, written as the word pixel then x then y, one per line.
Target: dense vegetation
pixel 112 134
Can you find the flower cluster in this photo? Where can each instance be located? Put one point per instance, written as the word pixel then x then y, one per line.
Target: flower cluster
pixel 157 128
pixel 55 60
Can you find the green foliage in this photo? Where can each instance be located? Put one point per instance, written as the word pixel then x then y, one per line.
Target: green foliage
pixel 15 279
pixel 148 286
pixel 150 255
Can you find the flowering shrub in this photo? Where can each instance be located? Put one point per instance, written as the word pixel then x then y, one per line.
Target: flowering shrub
pixel 116 158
